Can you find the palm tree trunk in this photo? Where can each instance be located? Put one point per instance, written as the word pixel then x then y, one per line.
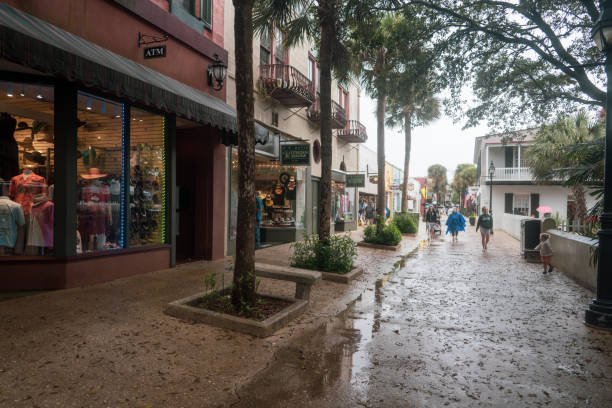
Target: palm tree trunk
pixel 581 210
pixel 243 292
pixel 380 146
pixel 327 17
pixel 408 142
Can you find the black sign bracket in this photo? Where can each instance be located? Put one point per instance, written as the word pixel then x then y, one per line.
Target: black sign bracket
pixel 144 39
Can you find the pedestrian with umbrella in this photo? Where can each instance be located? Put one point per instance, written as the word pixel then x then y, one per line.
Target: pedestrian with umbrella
pixel 543 210
pixel 455 223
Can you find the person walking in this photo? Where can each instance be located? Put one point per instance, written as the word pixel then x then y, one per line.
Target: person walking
pixel 455 223
pixel 431 221
pixel 485 224
pixel 545 252
pixel 369 212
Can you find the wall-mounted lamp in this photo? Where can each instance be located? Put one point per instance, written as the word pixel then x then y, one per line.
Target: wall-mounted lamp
pixel 216 72
pixel 22 92
pixel 39 95
pixel 9 91
pixel 89 104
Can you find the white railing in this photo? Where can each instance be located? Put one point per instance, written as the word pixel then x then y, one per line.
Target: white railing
pixel 512 173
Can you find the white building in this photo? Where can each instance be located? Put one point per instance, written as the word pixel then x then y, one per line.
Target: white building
pixel 368 165
pixel 514 193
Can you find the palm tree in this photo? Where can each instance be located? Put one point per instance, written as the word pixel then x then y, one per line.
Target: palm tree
pixel 437 174
pixel 570 149
pixel 375 46
pixel 243 290
pixel 465 176
pixel 300 19
pixel 414 105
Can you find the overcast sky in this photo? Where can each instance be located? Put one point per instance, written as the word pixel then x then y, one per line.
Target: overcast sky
pixel 443 142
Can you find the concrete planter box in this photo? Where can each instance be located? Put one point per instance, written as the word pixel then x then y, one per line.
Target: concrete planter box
pixel 379 246
pixel 409 235
pixel 182 310
pixel 342 278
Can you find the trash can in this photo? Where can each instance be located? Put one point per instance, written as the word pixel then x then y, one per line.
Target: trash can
pixel 530 238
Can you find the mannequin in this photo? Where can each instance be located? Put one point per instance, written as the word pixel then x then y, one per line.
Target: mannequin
pixel 21 190
pixel 9 155
pixel 11 221
pixel 95 211
pixel 40 233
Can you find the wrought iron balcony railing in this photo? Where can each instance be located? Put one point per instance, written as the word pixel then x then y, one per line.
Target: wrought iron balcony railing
pixel 353 132
pixel 286 84
pixel 338 114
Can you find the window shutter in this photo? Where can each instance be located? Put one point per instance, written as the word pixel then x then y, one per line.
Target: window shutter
pixel 206 13
pixel 509 150
pixel 535 203
pixel 508 203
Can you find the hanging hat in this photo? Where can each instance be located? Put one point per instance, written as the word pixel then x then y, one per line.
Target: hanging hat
pixel 94 173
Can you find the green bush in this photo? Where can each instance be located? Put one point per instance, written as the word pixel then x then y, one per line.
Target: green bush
pixel 388 235
pixel 337 255
pixel 405 223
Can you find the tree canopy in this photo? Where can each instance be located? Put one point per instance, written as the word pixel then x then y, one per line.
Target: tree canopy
pixel 437 174
pixel 527 61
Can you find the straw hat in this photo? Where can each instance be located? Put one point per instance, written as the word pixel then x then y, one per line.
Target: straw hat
pixel 94 173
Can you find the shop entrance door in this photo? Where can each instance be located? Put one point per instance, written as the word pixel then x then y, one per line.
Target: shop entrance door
pixel 315 207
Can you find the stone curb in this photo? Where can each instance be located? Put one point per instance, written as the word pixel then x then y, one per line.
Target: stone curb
pixel 379 246
pixel 342 278
pixel 182 310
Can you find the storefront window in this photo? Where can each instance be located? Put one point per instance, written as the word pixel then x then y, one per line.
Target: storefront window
pixel 146 178
pixel 282 190
pixel 27 167
pixel 343 206
pixel 99 169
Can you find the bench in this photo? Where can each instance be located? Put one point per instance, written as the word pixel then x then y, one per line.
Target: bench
pixel 303 278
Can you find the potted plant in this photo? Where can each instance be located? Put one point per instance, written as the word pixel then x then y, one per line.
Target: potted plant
pixel 473 219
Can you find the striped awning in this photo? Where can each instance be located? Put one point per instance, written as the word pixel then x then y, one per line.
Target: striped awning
pixel 34 43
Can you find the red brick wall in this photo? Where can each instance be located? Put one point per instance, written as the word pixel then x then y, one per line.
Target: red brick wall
pixel 113 27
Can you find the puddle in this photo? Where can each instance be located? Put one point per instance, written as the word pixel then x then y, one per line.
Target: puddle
pixel 332 359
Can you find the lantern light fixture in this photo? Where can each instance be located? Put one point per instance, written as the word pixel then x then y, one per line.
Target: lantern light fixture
pixel 216 73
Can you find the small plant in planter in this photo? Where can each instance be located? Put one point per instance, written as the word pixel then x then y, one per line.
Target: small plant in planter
pixel 387 235
pixel 473 219
pixel 405 223
pixel 337 255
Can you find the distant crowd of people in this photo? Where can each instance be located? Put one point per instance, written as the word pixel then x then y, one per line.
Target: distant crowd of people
pixel 367 212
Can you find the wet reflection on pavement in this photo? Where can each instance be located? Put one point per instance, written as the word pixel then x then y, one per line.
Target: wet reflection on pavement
pixel 448 326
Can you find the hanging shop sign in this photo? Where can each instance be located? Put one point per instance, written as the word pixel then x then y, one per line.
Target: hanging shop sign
pixel 295 154
pixel 158 51
pixel 355 180
pixel 394 187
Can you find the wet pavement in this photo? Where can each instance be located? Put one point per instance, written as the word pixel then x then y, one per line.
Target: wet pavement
pixel 448 326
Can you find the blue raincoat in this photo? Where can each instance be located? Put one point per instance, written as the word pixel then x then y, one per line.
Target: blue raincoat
pixel 455 223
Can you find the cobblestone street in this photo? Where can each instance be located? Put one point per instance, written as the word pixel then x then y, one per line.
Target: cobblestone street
pixel 450 327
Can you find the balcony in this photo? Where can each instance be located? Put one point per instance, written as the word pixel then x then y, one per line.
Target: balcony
pixel 353 132
pixel 511 174
pixel 286 84
pixel 338 114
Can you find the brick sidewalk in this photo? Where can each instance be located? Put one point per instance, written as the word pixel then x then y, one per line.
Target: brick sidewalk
pixel 111 345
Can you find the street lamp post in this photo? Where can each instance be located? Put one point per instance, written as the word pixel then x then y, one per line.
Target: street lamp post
pixel 599 313
pixel 491 174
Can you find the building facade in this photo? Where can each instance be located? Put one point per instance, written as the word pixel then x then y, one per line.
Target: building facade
pixel 287 118
pixel 512 191
pixel 113 140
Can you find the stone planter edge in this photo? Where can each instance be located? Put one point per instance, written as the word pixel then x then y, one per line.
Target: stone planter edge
pixel 180 309
pixel 379 246
pixel 342 278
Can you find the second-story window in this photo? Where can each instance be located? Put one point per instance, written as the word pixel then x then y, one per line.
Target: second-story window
pixel 265 49
pixel 311 68
pixel 200 9
pixel 279 47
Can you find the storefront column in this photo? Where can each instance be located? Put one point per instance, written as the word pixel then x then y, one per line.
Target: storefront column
pixel 125 174
pixel 170 185
pixel 64 196
pixel 308 216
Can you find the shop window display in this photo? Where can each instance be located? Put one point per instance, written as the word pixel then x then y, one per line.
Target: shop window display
pixel 26 169
pixel 343 206
pixel 282 190
pixel 146 178
pixel 99 161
